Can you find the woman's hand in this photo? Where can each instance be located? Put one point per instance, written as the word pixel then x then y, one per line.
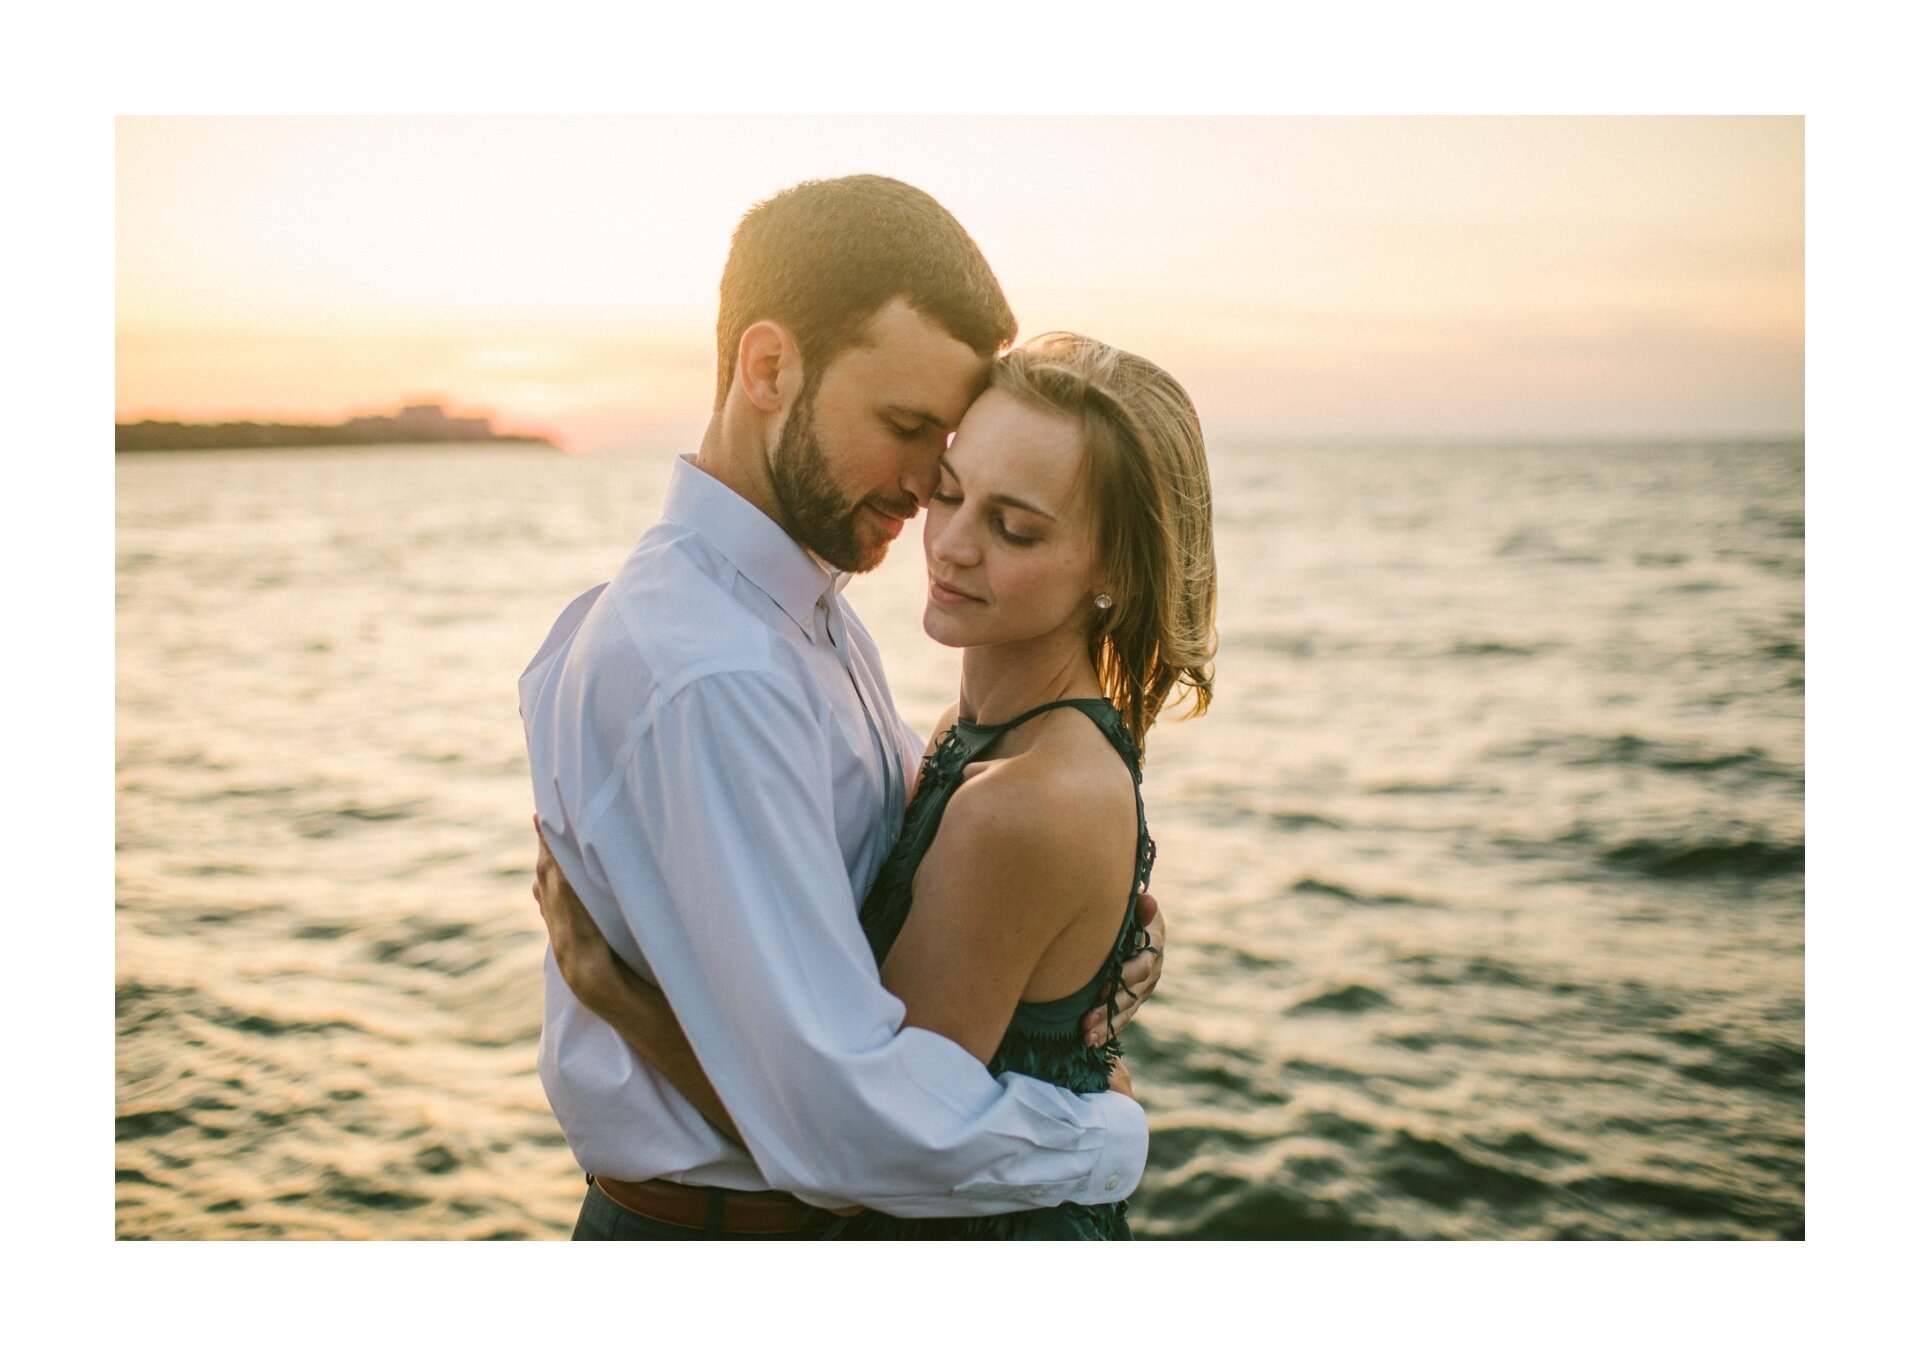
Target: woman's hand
pixel 586 962
pixel 1138 977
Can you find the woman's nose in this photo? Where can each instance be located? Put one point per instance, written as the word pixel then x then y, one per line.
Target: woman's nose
pixel 951 540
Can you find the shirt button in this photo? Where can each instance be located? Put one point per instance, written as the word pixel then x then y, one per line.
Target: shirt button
pixel 1036 1193
pixel 1113 1182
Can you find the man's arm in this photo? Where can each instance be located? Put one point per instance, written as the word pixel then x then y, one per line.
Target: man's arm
pixel 720 852
pixel 609 989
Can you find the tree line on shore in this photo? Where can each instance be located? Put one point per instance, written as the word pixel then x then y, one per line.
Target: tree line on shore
pixel 414 424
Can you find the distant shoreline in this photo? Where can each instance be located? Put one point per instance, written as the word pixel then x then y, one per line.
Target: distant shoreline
pixel 414 425
pixel 306 445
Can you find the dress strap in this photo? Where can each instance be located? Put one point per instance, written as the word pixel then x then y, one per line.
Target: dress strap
pixel 1099 710
pixel 1083 703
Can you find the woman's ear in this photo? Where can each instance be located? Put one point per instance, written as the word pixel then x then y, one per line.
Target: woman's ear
pixel 768 366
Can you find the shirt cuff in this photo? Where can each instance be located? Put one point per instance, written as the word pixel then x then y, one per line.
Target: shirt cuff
pixel 1123 1150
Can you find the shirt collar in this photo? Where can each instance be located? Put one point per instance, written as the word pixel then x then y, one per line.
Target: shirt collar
pixel 757 546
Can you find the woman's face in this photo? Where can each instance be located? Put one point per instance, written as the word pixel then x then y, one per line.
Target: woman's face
pixel 1010 539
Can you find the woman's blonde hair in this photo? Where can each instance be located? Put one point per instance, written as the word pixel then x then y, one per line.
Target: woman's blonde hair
pixel 1147 469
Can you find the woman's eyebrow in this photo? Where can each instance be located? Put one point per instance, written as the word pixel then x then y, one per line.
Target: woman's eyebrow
pixel 1020 504
pixel 1007 499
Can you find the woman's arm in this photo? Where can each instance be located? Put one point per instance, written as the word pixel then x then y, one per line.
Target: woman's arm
pixel 1020 895
pixel 610 990
pixel 1138 977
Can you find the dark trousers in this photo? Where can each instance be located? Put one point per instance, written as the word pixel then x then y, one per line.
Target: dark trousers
pixel 603 1221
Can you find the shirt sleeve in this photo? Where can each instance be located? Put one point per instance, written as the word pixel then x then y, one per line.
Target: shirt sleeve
pixel 753 934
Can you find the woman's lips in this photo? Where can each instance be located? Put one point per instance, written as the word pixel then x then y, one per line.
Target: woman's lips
pixel 950 597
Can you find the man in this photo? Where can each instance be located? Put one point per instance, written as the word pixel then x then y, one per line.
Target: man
pixel 719 770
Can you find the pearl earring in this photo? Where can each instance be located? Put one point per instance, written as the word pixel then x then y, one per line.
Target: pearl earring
pixel 1102 601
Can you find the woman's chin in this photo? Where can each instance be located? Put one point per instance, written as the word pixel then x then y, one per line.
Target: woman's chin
pixel 939 626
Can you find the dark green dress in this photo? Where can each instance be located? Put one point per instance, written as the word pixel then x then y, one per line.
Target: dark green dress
pixel 1043 1040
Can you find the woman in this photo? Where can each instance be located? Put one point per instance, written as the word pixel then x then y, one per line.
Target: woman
pixel 1069 556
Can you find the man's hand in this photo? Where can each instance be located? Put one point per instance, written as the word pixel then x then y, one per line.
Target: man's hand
pixel 1137 977
pixel 1119 1080
pixel 586 962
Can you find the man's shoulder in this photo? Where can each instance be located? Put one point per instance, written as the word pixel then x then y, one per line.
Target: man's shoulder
pixel 674 608
pixel 673 619
pixel 667 640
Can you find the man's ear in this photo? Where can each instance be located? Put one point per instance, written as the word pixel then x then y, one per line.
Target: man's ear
pixel 768 366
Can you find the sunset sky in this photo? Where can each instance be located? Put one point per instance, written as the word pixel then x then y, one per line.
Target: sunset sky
pixel 1305 277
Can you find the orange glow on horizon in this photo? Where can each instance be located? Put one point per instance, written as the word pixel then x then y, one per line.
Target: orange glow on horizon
pixel 1302 276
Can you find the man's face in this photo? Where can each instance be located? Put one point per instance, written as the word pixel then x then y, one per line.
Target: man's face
pixel 859 452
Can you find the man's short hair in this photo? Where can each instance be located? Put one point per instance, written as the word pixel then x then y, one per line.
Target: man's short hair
pixel 823 256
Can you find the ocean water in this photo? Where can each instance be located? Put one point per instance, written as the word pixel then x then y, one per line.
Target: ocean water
pixel 1485 872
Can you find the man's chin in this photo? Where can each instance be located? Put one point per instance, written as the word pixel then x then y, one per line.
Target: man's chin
pixel 871 554
pixel 857 543
pixel 878 530
pixel 855 556
pixel 868 547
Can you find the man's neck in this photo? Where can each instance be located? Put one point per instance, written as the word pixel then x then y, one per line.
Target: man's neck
pixel 733 452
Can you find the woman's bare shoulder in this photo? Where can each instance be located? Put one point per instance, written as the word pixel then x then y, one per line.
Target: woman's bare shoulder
pixel 1050 812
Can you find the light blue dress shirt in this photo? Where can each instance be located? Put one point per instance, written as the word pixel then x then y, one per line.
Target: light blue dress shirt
pixel 719 770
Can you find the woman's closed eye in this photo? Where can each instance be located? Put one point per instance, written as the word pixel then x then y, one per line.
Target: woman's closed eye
pixel 997 523
pixel 1008 535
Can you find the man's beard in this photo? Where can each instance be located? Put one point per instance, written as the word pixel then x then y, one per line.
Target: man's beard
pixel 818 515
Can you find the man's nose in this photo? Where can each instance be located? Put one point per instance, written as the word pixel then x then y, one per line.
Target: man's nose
pixel 921 475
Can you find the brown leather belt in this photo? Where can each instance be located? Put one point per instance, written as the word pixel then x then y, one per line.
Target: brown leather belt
pixel 734 1212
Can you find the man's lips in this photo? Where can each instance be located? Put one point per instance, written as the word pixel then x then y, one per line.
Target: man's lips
pixel 944 593
pixel 890 521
